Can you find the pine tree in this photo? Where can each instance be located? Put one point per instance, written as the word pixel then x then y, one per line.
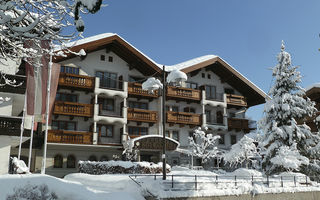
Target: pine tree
pixel 279 125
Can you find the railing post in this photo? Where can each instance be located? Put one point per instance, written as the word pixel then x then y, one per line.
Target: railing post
pixel 195 183
pixel 252 180
pixel 294 180
pixel 235 181
pixel 307 181
pixel 172 181
pixel 268 181
pixel 281 181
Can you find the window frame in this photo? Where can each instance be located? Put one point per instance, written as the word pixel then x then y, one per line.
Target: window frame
pixel 189 85
pixel 178 135
pixel 138 105
pixel 65 127
pixel 107 81
pixel 209 91
pixel 231 140
pixel 73 165
pixel 59 94
pixel 65 69
pixel 58 163
pixel 102 105
pixel 139 128
pixel 99 127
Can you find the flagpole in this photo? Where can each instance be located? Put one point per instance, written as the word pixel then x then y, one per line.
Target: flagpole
pixel 43 168
pixel 22 125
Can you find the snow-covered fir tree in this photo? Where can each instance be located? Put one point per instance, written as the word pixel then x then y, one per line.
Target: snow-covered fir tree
pixel 203 145
pixel 282 135
pixel 244 151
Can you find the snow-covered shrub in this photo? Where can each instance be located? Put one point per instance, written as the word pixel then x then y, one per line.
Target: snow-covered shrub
pixel 203 145
pixel 34 192
pixel 19 166
pixel 244 151
pixel 120 167
pixel 282 135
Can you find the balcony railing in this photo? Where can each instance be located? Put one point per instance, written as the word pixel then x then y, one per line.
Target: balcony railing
pixel 69 137
pixel 238 124
pixel 136 90
pixel 183 118
pixel 76 81
pixel 19 81
pixel 73 109
pixel 11 126
pixel 183 93
pixel 142 115
pixel 236 100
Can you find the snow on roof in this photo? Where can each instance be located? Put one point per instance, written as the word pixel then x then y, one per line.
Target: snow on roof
pixel 190 63
pixel 315 85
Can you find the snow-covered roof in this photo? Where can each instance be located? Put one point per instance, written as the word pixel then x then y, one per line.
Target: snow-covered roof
pixel 315 85
pixel 190 63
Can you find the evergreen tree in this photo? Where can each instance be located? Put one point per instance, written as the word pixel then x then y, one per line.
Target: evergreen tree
pixel 279 125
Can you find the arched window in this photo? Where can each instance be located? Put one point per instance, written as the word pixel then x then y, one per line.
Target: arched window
pixel 92 158
pixel 104 158
pixel 58 161
pixel 71 161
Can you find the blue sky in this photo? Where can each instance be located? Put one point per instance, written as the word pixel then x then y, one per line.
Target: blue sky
pixel 247 33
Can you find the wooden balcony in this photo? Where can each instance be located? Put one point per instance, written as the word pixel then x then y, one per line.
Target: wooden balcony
pixel 135 89
pixel 11 126
pixel 238 124
pixel 19 81
pixel 141 115
pixel 73 109
pixel 69 137
pixel 77 82
pixel 183 118
pixel 182 93
pixel 236 100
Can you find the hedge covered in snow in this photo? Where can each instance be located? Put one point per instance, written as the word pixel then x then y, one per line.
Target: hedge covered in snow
pixel 120 167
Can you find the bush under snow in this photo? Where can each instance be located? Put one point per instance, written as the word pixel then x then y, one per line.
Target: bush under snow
pixel 120 167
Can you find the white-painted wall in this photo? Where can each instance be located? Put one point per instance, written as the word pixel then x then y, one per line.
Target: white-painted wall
pixel 4 154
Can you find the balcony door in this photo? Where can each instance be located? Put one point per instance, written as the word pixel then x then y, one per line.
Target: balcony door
pixel 107 79
pixel 211 92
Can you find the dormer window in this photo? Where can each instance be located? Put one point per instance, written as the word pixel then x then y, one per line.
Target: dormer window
pixel 110 59
pixel 102 57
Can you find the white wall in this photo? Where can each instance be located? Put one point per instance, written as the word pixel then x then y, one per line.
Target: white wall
pixel 4 154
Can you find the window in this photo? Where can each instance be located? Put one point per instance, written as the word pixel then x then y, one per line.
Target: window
pixel 135 130
pixel 233 139
pixel 106 104
pixel 110 59
pixel 135 79
pixel 63 125
pixel 189 110
pixel 140 105
pixel 191 85
pixel 69 70
pixel 71 161
pixel 66 97
pixel 107 79
pixel 209 76
pixel 231 115
pixel 92 158
pixel 167 108
pixel 102 57
pixel 175 108
pixel 221 140
pixel 203 75
pixel 105 130
pixel 210 92
pixel 58 161
pixel 208 115
pixel 175 135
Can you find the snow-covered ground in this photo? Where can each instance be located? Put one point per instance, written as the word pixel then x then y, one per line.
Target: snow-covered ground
pixel 118 186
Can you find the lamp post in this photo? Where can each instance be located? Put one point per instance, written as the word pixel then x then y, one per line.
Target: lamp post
pixel 151 84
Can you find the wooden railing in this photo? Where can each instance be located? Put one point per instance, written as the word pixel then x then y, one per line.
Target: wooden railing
pixel 11 126
pixel 73 109
pixel 69 137
pixel 238 124
pixel 136 89
pixel 183 118
pixel 236 100
pixel 18 85
pixel 76 81
pixel 183 93
pixel 142 115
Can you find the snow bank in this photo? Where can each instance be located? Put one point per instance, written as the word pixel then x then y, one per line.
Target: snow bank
pixel 62 188
pixel 245 172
